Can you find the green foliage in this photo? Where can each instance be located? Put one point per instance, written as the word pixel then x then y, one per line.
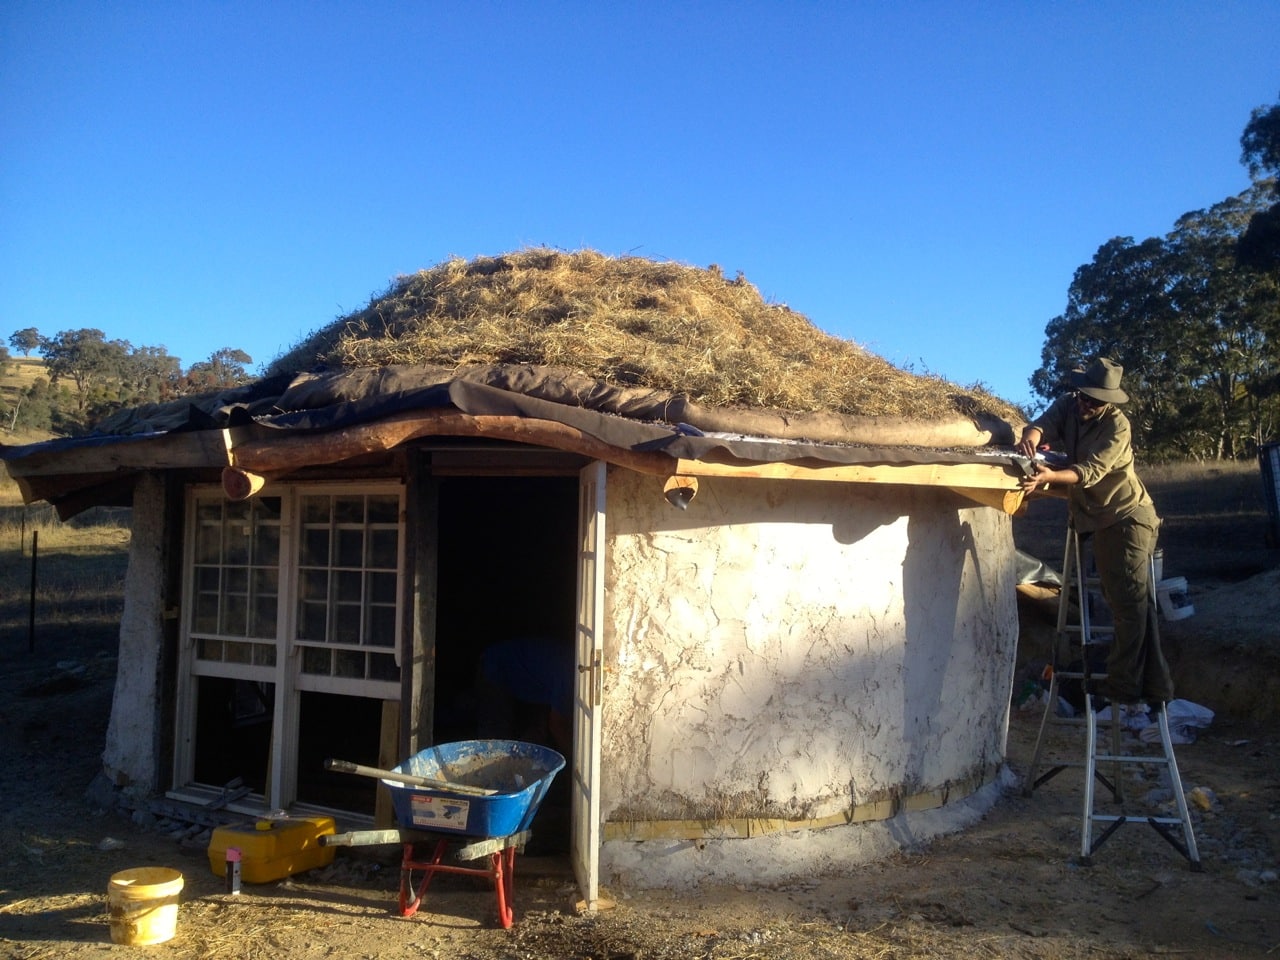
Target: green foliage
pixel 91 376
pixel 1259 245
pixel 1197 332
pixel 26 340
pixel 225 368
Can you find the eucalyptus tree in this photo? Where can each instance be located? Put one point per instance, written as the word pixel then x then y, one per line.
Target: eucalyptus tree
pixel 1229 324
pixel 1196 331
pixel 1259 245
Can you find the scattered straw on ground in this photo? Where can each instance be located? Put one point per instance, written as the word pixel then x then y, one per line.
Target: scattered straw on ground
pixel 634 322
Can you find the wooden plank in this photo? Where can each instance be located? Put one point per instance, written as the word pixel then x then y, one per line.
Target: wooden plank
pixel 976 476
pixel 196 448
pixel 484 848
pixel 384 814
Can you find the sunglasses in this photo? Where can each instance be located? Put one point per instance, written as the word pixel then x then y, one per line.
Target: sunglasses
pixel 1088 402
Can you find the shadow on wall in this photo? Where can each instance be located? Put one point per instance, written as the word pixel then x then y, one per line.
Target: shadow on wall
pixel 943 605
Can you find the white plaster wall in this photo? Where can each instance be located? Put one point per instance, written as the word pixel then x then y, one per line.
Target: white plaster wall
pixel 129 758
pixel 787 649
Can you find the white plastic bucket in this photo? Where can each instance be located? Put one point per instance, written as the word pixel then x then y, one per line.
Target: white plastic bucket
pixel 143 904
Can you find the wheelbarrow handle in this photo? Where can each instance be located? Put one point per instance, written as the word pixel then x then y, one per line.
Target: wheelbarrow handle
pixel 346 766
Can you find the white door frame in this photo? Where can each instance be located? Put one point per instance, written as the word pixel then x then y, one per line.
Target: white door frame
pixel 585 806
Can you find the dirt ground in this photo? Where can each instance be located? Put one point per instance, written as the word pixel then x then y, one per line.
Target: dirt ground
pixel 1010 886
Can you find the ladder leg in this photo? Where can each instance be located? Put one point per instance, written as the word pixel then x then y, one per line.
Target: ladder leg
pixel 1091 751
pixel 1034 779
pixel 1175 779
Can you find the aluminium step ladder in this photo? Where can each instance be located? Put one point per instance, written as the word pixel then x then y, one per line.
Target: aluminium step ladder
pixel 1079 634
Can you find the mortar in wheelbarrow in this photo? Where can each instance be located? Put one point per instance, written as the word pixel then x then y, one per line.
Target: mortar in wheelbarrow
pixel 520 774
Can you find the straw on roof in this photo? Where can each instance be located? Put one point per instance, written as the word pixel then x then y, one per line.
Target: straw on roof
pixel 629 321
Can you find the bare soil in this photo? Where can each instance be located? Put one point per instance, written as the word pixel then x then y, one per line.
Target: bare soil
pixel 1010 886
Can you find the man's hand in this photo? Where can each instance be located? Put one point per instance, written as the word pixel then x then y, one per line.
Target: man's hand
pixel 1045 475
pixel 1027 445
pixel 1032 483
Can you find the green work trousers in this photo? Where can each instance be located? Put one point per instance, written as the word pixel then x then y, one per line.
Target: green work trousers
pixel 1136 668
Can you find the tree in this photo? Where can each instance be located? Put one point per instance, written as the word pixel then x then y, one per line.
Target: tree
pixel 148 374
pixel 1259 245
pixel 86 357
pixel 1229 329
pixel 26 340
pixel 31 409
pixel 1197 333
pixel 225 368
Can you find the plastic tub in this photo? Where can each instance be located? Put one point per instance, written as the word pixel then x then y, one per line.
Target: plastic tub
pixel 143 905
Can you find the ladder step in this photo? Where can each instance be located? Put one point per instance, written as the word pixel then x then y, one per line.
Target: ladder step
pixel 1112 758
pixel 1133 818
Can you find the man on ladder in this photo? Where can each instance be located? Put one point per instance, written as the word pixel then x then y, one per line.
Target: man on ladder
pixel 1108 503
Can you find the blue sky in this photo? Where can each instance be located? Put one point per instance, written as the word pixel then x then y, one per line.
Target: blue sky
pixel 921 178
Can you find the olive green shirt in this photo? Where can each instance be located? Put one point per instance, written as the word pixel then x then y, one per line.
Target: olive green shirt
pixel 1101 452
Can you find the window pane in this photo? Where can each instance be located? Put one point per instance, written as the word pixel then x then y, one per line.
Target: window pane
pixel 235 615
pixel 236 543
pixel 346 625
pixel 239 652
pixel 268 508
pixel 266 545
pixel 209 649
pixel 350 551
pixel 315 510
pixel 235 580
pixel 315 547
pixel 207 579
pixel 315 660
pixel 266 581
pixel 314 585
pixel 382 666
pixel 264 618
pixel 208 542
pixel 204 618
pixel 348 586
pixel 382 627
pixel 383 548
pixel 350 664
pixel 264 654
pixel 381 588
pixel 312 622
pixel 348 510
pixel 384 509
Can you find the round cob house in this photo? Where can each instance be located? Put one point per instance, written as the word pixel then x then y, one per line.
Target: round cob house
pixel 762 579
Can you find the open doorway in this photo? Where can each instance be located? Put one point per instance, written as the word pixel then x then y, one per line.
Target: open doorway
pixel 505 621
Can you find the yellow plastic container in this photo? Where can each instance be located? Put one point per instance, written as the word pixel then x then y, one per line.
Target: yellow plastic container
pixel 272 849
pixel 143 905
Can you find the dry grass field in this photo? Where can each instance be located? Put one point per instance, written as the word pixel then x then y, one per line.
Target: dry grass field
pixel 1010 886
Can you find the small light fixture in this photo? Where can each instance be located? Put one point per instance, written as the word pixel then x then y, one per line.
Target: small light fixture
pixel 679 491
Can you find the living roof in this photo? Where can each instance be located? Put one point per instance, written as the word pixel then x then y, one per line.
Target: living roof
pixel 630 321
pixel 654 366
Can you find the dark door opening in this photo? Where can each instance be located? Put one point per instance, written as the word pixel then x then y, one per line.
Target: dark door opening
pixel 505 621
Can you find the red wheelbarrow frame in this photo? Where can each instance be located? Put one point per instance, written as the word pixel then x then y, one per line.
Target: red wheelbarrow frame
pixel 498 852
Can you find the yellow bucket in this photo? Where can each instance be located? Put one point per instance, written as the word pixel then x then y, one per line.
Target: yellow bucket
pixel 144 905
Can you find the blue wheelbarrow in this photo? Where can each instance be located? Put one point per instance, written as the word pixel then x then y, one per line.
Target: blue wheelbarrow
pixel 482 791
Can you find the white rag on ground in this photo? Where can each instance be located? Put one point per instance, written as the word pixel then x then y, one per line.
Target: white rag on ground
pixel 1185 718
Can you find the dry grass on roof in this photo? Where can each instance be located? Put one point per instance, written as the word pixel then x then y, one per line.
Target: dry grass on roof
pixel 630 321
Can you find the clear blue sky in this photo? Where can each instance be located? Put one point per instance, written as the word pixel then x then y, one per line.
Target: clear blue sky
pixel 922 178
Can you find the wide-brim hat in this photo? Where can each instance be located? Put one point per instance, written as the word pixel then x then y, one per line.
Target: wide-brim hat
pixel 1100 380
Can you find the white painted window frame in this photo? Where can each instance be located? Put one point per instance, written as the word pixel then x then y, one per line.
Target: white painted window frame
pixel 286 674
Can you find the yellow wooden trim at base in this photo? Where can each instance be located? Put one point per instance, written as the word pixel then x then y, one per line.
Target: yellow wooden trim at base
pixel 743 828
